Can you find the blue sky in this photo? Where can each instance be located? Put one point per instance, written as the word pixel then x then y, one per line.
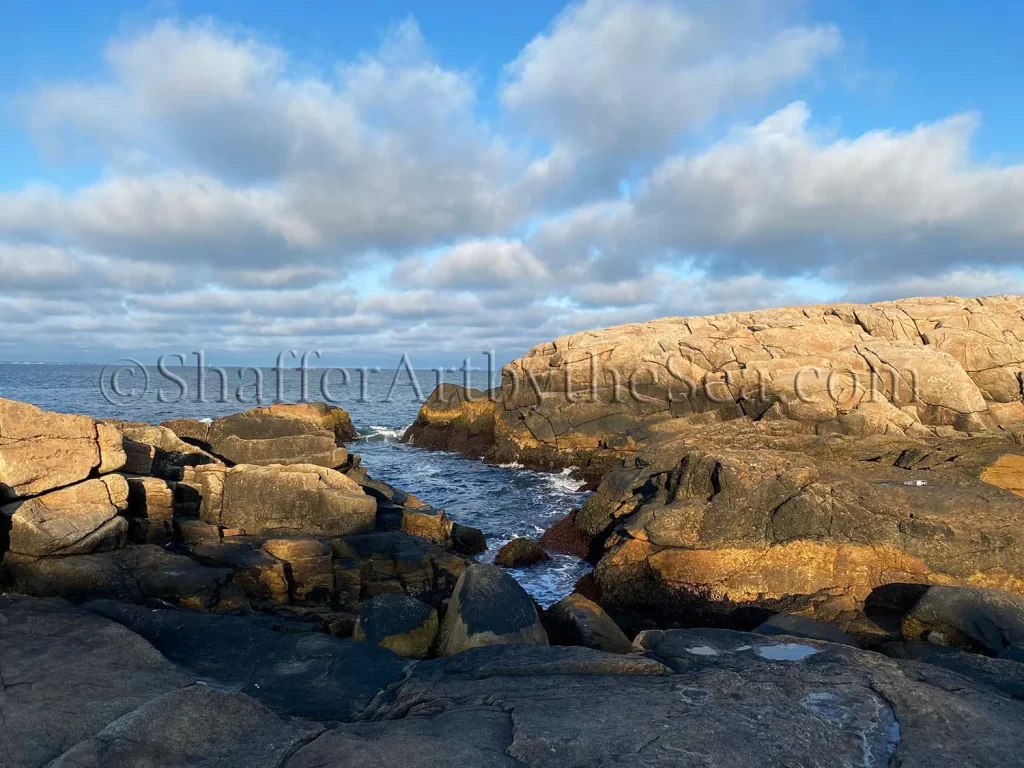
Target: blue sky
pixel 440 178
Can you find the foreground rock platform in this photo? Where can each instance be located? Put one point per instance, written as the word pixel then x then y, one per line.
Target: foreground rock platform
pixel 163 689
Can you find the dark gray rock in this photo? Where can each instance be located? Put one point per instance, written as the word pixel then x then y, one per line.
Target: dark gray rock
pixel 467 540
pixel 489 607
pixel 741 699
pixel 73 682
pixel 309 675
pixel 983 620
pixel 223 651
pixel 575 620
pixel 319 677
pixel 194 727
pixel 470 737
pixel 66 674
pixel 1002 674
pixel 802 626
pixel 402 624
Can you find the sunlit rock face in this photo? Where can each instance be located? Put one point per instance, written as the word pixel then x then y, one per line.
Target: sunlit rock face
pixel 915 367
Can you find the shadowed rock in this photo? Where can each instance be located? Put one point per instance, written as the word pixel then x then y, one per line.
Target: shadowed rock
pixel 195 726
pixel 981 620
pixel 488 607
pixel 372 564
pixel 402 624
pixel 802 626
pixel 133 574
pixel 575 620
pixel 1002 674
pixel 702 697
pixel 308 675
pixel 66 674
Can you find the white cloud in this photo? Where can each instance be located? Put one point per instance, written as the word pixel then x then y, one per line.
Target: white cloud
pixel 478 264
pixel 251 163
pixel 626 77
pixel 241 198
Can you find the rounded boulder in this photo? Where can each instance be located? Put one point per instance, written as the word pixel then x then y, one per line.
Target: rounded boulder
pixel 521 553
pixel 488 607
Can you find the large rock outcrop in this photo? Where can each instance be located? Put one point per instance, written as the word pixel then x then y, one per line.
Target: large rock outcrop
pixel 748 518
pixel 302 542
pixel 914 367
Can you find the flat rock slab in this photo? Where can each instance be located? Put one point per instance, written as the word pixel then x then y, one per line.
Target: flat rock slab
pixel 738 699
pixel 196 727
pixel 308 675
pixel 468 737
pixel 66 674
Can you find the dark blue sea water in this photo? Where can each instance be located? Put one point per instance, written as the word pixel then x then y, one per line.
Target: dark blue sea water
pixel 504 502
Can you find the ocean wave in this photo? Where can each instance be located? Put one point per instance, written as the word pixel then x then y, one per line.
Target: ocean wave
pixel 206 421
pixel 564 482
pixel 512 465
pixel 385 434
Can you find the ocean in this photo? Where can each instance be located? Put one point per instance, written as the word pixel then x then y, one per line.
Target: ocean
pixel 504 502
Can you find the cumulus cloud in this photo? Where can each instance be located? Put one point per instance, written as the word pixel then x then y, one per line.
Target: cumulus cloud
pixel 252 164
pixel 629 75
pixel 780 198
pixel 637 158
pixel 479 264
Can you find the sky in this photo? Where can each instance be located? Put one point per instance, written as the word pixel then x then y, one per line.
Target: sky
pixel 437 179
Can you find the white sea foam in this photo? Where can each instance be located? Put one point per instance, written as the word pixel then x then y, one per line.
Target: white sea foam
pixel 387 434
pixel 564 482
pixel 512 465
pixel 206 421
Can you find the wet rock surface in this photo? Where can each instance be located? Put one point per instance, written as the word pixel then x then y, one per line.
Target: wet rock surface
pixel 521 553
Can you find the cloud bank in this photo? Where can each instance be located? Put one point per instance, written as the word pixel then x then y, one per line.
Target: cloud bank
pixel 646 158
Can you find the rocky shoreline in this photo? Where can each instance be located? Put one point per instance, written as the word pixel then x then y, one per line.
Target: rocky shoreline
pixel 784 575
